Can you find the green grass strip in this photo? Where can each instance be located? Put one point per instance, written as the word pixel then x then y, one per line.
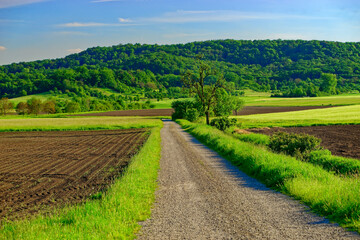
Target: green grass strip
pixel 333 196
pixel 115 216
pixel 338 165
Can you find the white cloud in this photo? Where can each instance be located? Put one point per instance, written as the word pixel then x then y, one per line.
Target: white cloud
pixel 75 33
pixel 220 16
pixel 99 1
pixel 78 24
pixel 96 24
pixel 182 35
pixel 76 50
pixel 2 48
pixel 124 20
pixel 13 3
pixel 288 36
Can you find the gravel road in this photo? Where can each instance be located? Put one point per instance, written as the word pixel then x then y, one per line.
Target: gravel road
pixel 202 196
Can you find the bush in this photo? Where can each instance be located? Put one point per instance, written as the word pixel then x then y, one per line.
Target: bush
pixel 297 145
pixel 192 114
pixel 184 109
pixel 223 123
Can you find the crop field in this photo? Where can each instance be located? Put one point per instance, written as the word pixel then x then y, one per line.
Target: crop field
pixel 350 99
pixel 53 168
pixel 140 112
pixel 79 123
pixel 328 116
pixel 341 140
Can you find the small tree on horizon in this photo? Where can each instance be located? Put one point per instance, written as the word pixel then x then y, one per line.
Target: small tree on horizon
pixel 206 94
pixel 5 106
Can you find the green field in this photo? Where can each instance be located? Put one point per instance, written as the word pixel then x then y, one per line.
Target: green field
pixel 260 99
pixel 78 123
pixel 317 101
pixel 327 116
pixel 42 96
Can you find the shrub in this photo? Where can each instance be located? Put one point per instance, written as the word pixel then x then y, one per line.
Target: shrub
pixel 223 123
pixel 297 145
pixel 192 114
pixel 182 108
pixel 22 108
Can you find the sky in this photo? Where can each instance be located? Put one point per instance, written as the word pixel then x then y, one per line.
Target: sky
pixel 46 29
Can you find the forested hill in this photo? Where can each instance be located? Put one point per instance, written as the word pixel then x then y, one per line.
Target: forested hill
pixel 290 66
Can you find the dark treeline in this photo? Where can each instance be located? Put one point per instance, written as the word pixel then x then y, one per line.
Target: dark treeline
pixel 291 68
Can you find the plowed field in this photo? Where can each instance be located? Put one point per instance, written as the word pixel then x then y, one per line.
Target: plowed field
pixel 341 140
pixel 41 169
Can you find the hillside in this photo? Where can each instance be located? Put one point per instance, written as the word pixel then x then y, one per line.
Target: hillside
pixel 293 67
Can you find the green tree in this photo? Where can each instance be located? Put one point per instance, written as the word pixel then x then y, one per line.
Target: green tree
pixel 34 106
pixel 22 108
pixel 5 106
pixel 206 94
pixel 329 83
pixel 49 107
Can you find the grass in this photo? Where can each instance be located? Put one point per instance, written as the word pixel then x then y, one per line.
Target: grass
pixel 324 158
pixel 332 196
pixel 42 96
pixel 114 216
pixel 78 123
pixel 165 103
pixel 327 116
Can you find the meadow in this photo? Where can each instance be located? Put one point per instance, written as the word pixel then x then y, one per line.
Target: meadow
pixel 327 116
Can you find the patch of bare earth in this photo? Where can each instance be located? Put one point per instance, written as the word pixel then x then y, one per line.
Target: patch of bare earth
pixel 202 196
pixel 43 169
pixel 341 140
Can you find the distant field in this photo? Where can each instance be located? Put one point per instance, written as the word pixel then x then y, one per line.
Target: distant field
pixel 335 115
pixel 318 101
pixel 79 123
pixel 260 99
pixel 41 96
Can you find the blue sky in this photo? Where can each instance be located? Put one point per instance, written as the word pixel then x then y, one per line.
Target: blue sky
pixel 40 29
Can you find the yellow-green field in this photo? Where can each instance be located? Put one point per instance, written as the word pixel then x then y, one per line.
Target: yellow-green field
pixel 79 123
pixel 335 115
pixel 317 101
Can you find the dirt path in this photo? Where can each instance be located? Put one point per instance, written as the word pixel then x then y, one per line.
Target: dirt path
pixel 201 196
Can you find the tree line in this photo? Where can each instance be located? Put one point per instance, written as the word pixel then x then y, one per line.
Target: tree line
pixel 287 68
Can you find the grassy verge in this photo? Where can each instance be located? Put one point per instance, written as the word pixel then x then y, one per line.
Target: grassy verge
pixel 82 123
pixel 338 165
pixel 115 216
pixel 332 196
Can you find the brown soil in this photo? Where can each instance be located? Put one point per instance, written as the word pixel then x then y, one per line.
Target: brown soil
pixel 341 140
pixel 141 112
pixel 43 169
pixel 169 111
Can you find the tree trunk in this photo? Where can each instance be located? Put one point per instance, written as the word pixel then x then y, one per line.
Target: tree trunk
pixel 207 113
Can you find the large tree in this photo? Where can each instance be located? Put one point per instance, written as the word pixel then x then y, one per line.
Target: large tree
pixel 206 93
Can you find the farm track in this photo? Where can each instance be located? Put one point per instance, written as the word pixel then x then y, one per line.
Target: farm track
pixel 202 196
pixel 42 169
